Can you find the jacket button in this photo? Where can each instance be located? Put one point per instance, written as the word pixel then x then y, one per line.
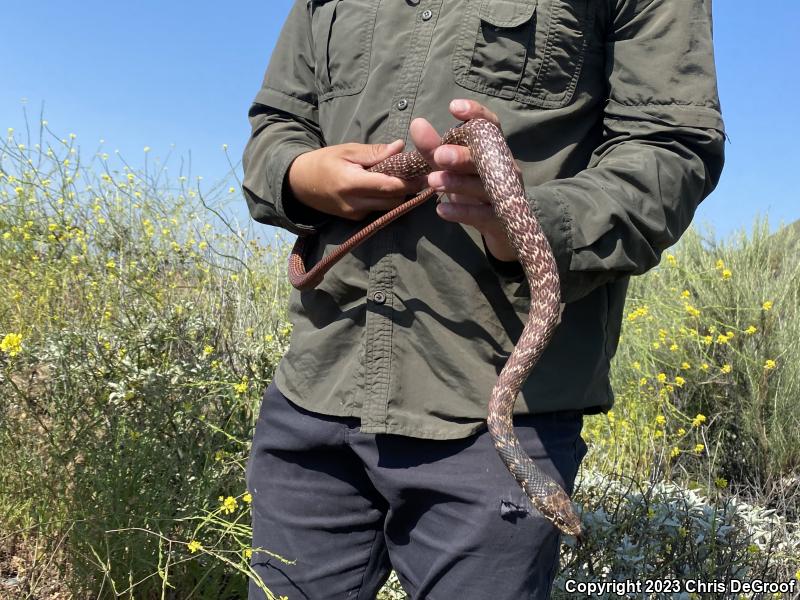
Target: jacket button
pixel 379 297
pixel 426 15
pixel 402 105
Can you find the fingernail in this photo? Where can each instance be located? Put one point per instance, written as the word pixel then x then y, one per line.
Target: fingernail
pixel 459 105
pixel 446 156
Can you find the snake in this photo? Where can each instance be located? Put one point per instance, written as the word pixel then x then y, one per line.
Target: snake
pixel 503 183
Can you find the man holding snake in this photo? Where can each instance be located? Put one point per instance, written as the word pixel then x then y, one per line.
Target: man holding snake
pixel 371 448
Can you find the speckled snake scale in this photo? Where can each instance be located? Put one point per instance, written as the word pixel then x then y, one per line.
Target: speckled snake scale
pixel 497 171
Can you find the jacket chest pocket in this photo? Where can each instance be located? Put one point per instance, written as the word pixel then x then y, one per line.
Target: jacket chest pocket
pixel 341 35
pixel 530 51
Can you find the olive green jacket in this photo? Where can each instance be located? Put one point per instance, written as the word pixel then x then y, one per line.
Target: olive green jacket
pixel 609 106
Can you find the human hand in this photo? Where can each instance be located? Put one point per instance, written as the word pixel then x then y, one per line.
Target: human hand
pixel 454 173
pixel 334 180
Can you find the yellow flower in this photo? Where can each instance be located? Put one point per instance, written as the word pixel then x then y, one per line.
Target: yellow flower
pixel 722 339
pixel 675 452
pixel 248 554
pixel 707 339
pixel 769 365
pixel 637 365
pixel 698 420
pixel 661 377
pixel 685 366
pixel 11 344
pixel 720 265
pixel 767 305
pixel 704 367
pixel 643 381
pixel 685 294
pixel 661 420
pixel 229 504
pixel 671 261
pixel 194 546
pixel 691 310
pixel 679 381
pixel 247 498
pixel 241 388
pixel 750 330
pixel 726 368
pixel 699 448
pixel 673 348
pixel 681 431
pixel 111 264
pixel 726 274
pixel 207 350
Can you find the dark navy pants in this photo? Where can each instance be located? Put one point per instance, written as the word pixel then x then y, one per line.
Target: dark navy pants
pixel 446 515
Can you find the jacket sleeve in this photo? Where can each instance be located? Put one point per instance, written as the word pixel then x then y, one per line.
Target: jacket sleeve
pixel 284 124
pixel 661 154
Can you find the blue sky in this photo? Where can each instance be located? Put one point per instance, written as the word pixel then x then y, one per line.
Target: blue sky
pixel 177 73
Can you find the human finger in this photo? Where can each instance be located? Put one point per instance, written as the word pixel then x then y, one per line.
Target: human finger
pixel 368 155
pixel 454 183
pixel 425 137
pixel 366 183
pixel 451 157
pixel 480 216
pixel 465 110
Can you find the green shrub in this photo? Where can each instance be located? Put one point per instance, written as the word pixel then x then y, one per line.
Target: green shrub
pixel 707 373
pixel 137 341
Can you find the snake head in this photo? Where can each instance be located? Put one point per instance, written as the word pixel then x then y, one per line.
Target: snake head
pixel 558 509
pixel 569 523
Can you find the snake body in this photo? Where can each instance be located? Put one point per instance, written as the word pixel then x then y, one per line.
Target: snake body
pixel 497 170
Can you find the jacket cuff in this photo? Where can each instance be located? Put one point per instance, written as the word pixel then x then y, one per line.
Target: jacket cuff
pixel 550 209
pixel 296 216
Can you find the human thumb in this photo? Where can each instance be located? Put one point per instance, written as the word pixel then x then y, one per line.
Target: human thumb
pixel 372 154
